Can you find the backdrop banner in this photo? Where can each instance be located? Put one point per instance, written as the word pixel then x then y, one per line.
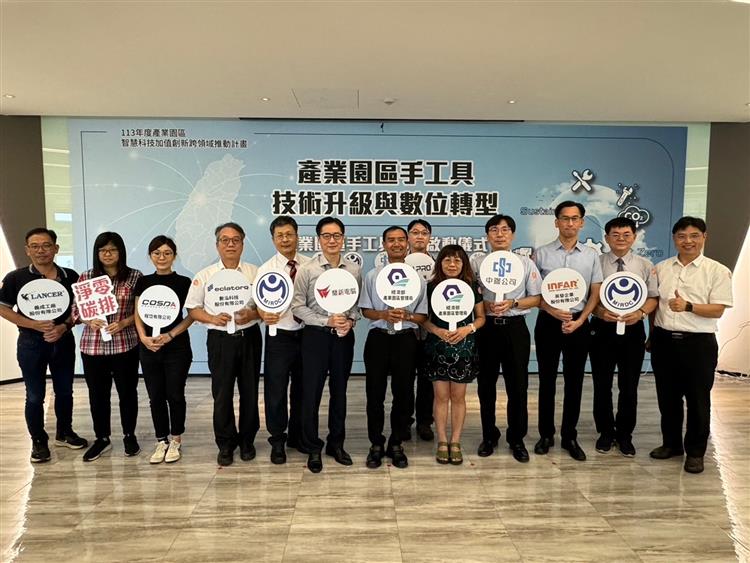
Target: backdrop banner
pixel 144 177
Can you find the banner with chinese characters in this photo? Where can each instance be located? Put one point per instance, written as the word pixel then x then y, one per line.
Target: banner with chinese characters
pixel 144 177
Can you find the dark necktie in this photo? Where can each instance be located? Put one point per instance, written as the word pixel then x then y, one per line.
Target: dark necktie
pixel 292 273
pixel 620 265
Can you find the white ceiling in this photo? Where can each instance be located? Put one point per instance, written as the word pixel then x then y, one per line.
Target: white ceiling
pixel 570 61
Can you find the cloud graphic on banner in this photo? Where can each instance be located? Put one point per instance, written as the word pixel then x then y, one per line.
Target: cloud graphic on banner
pixel 639 215
pixel 209 204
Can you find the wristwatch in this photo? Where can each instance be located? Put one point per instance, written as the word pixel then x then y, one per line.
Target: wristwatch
pixel 515 304
pixel 688 307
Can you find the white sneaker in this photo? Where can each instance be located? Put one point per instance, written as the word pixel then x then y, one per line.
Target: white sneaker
pixel 173 453
pixel 159 453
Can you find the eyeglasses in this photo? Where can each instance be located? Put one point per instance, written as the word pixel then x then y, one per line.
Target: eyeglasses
pixel 165 254
pixel 284 236
pixel 106 251
pixel 621 236
pixel 452 260
pixel 43 246
pixel 419 233
pixel 328 236
pixel 692 236
pixel 503 230
pixel 566 219
pixel 226 241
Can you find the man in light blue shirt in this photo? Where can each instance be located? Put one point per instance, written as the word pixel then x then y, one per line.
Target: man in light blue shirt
pixel 564 331
pixel 390 352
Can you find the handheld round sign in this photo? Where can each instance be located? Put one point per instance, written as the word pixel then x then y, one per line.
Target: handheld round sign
pixel 336 291
pixel 381 259
pixel 452 301
pixel 354 258
pixel 563 288
pixel 398 286
pixel 43 299
pixel 273 292
pixel 158 307
pixel 422 263
pixel 501 272
pixel 227 291
pixel 622 293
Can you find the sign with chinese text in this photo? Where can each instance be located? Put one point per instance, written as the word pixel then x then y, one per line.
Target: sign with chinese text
pixel 452 301
pixel 422 263
pixel 158 306
pixel 227 291
pixel 564 288
pixel 398 286
pixel 95 299
pixel 43 299
pixel 336 291
pixel 501 272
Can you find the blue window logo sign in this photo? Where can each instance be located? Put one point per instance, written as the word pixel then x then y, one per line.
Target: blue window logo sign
pixel 502 267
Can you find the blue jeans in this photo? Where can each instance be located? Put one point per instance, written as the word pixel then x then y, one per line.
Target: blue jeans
pixel 34 356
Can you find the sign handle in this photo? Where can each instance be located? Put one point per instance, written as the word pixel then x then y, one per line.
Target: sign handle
pixel 620 327
pixel 106 336
pixel 231 326
pixel 398 325
pixel 155 331
pixel 567 311
pixel 452 326
pixel 271 330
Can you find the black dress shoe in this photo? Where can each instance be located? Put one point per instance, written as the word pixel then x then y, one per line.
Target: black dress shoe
pixel 486 448
pixel 314 463
pixel 398 457
pixel 424 431
pixel 694 464
pixel 543 445
pixel 225 457
pixel 247 452
pixel 604 444
pixel 574 449
pixel 520 453
pixel 375 457
pixel 339 455
pixel 278 454
pixel 665 452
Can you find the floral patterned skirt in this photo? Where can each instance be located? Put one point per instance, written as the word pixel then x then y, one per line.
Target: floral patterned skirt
pixel 458 363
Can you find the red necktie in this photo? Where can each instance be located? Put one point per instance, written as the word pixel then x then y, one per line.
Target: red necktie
pixel 293 268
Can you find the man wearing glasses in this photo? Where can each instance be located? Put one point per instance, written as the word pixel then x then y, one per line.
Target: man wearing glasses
pixel 504 339
pixel 564 331
pixel 327 348
pixel 626 352
pixel 231 356
pixel 283 366
pixel 43 344
pixel 419 232
pixel 693 293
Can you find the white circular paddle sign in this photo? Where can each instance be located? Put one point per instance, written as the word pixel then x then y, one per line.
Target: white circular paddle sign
pixel 398 285
pixel 563 288
pixel 336 290
pixel 501 272
pixel 273 291
pixel 623 293
pixel 452 301
pixel 422 263
pixel 158 307
pixel 43 299
pixel 381 259
pixel 227 291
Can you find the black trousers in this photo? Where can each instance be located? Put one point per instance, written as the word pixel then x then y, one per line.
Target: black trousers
pixel 684 365
pixel 235 357
pixel 34 356
pixel 165 373
pixel 395 355
pixel 324 355
pixel 283 366
pixel 99 372
pixel 507 344
pixel 609 351
pixel 574 347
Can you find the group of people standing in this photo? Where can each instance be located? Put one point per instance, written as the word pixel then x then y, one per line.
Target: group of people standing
pixel 686 294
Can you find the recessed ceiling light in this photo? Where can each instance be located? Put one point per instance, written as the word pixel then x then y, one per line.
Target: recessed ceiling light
pixel 265 99
pixel 511 101
pixel 9 96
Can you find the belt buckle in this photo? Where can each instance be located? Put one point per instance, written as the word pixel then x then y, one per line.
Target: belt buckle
pixel 500 321
pixel 391 331
pixel 677 336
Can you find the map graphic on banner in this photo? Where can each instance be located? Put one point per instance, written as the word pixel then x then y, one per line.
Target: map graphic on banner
pixel 144 177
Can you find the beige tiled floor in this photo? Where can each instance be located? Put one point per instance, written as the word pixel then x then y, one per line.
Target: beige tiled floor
pixel 608 508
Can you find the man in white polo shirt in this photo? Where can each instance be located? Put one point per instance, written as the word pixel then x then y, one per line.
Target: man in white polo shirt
pixel 693 293
pixel 230 356
pixel 283 367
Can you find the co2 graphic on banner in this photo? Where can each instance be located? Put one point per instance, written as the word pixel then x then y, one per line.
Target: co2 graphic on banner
pixel 182 178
